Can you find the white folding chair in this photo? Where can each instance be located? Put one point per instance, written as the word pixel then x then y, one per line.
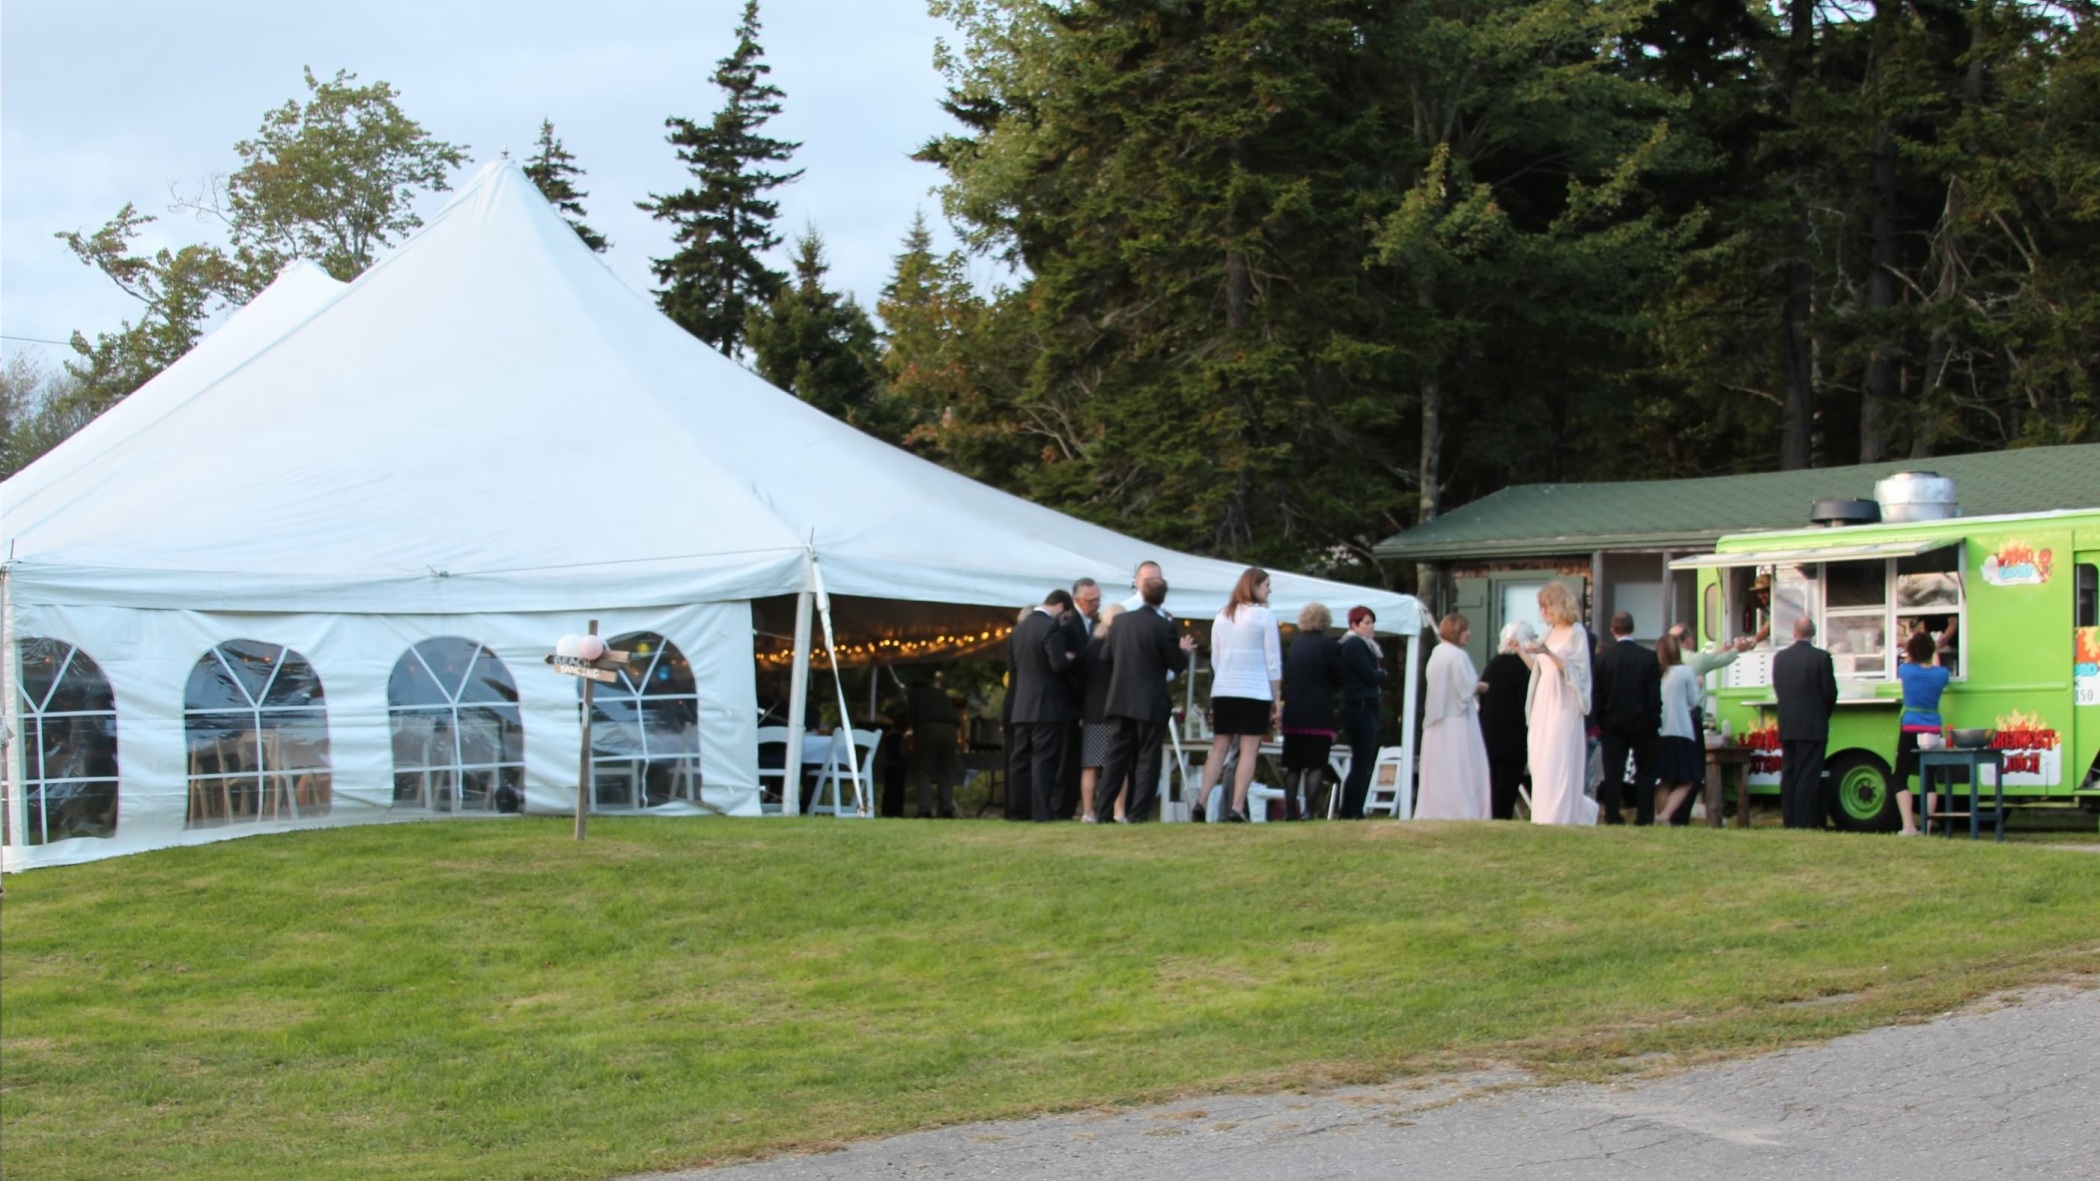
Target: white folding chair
pixel 1386 786
pixel 837 775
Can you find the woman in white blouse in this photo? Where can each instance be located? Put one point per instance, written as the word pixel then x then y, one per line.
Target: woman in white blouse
pixel 1454 755
pixel 1246 686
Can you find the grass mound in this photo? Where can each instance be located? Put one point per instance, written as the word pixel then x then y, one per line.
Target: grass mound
pixel 476 1000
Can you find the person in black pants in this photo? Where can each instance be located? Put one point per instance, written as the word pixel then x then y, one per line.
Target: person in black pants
pixel 1806 686
pixel 936 753
pixel 1079 630
pixel 1312 672
pixel 1626 708
pixel 1361 677
pixel 1504 724
pixel 1036 657
pixel 1142 649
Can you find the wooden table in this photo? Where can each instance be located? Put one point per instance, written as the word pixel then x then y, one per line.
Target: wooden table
pixel 1974 759
pixel 1738 757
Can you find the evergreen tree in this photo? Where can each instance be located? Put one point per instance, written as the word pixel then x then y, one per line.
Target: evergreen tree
pixel 820 346
pixel 952 382
pixel 553 171
pixel 723 225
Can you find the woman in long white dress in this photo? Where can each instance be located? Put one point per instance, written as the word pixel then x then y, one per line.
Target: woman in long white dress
pixel 1454 755
pixel 1559 704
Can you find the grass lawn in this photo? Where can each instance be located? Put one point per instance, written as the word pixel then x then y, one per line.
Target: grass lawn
pixel 485 1000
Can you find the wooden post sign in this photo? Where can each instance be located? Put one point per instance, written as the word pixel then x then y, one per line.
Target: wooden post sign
pixel 586 656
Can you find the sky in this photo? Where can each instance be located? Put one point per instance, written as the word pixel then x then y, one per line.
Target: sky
pixel 108 101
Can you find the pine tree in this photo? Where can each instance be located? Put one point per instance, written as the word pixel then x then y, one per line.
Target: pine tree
pixel 553 171
pixel 724 224
pixel 821 346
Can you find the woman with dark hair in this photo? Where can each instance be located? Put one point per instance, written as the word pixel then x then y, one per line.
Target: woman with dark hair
pixel 1361 677
pixel 1680 763
pixel 1924 681
pixel 1246 686
pixel 1454 756
pixel 1312 671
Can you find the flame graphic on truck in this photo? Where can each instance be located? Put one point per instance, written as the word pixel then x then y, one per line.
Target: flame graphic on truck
pixel 2031 748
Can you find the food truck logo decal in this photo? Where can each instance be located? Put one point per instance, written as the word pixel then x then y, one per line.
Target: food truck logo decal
pixel 2033 752
pixel 2017 564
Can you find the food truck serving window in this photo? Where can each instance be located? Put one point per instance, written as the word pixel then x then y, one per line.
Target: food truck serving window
pixel 1929 599
pixel 1867 600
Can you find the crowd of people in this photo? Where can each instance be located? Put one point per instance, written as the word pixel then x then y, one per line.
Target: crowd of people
pixel 1089 701
pixel 1530 715
pixel 1088 706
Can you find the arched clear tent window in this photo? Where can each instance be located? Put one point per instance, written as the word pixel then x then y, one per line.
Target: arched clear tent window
pixel 459 739
pixel 257 724
pixel 645 728
pixel 69 744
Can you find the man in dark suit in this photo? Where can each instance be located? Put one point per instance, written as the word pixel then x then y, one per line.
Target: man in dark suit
pixel 1036 658
pixel 1142 649
pixel 1079 628
pixel 1626 706
pixel 1807 689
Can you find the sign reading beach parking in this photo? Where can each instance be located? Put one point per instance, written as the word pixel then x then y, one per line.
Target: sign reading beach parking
pixel 577 666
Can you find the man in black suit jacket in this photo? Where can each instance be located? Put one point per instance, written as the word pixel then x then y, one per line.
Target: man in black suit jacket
pixel 1142 649
pixel 1079 628
pixel 1806 686
pixel 1036 658
pixel 1626 705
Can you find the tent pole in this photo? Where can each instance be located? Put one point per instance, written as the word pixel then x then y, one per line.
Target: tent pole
pixel 1404 804
pixel 798 708
pixel 861 803
pixel 11 749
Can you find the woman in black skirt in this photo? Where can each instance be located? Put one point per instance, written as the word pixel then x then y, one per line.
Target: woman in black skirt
pixel 1093 719
pixel 1312 672
pixel 1680 765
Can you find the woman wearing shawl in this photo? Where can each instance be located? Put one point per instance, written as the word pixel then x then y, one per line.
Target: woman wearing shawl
pixel 1454 756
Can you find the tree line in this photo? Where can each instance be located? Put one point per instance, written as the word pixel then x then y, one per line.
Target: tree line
pixel 1287 276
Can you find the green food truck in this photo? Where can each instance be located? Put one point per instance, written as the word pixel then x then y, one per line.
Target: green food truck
pixel 2012 604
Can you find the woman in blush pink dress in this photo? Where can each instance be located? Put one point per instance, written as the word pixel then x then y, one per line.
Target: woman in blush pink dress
pixel 1559 706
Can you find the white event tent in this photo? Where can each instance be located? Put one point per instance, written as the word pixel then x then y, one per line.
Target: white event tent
pixel 308 574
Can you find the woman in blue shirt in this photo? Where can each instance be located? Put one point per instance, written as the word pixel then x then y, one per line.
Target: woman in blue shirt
pixel 1923 683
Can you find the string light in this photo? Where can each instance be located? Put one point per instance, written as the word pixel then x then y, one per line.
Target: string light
pixel 940 647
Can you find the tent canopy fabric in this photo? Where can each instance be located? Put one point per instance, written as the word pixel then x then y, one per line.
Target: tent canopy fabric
pixel 489 420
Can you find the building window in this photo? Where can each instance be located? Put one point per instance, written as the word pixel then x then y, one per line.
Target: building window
pixel 69 744
pixel 645 728
pixel 257 726
pixel 459 740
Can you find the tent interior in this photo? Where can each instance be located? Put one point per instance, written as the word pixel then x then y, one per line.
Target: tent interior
pixel 308 575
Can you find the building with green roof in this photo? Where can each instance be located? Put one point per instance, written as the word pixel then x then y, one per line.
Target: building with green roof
pixel 1612 542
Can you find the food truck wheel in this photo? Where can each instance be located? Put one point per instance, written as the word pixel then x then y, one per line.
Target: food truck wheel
pixel 1859 793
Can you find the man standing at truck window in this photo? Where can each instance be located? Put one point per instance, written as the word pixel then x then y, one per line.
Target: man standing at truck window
pixel 1806 686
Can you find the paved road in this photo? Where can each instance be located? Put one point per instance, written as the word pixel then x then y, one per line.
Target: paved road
pixel 2011 1091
